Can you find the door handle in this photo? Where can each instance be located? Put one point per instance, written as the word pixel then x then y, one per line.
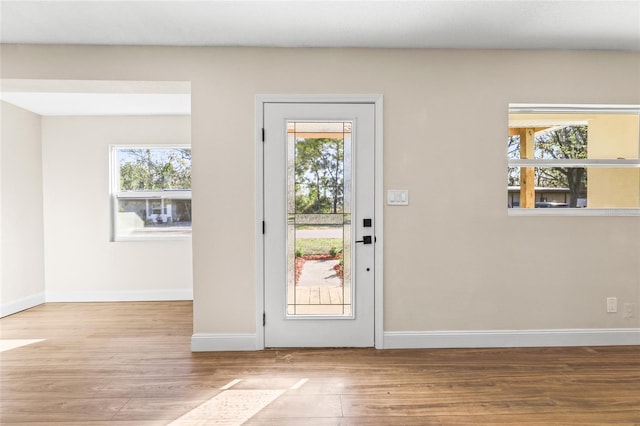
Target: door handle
pixel 366 239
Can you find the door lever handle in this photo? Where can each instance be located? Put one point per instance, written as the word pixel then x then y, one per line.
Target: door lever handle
pixel 366 239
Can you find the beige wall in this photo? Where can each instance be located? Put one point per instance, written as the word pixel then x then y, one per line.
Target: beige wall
pixel 81 261
pixel 21 233
pixel 451 262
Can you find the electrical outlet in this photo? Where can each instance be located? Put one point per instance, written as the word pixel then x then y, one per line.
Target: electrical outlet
pixel 612 305
pixel 629 310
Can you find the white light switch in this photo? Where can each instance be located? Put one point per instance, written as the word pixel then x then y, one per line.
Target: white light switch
pixel 398 197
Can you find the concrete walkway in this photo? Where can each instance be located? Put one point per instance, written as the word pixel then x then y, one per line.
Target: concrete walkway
pixel 319 273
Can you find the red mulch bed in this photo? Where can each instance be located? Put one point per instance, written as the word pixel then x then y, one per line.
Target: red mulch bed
pixel 300 261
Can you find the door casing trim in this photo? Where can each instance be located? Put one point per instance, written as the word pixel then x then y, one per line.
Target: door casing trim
pixel 377 101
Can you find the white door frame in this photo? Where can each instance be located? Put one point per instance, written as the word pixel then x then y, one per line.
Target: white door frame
pixel 375 99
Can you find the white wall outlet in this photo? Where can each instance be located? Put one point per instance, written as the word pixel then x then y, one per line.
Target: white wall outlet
pixel 612 304
pixel 629 310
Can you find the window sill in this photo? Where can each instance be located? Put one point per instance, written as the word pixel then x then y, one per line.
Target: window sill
pixel 159 236
pixel 574 212
pixel 149 240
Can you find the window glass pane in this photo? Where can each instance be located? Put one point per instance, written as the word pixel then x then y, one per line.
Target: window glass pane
pixel 319 220
pixel 579 187
pixel 576 136
pixel 153 169
pixel 138 217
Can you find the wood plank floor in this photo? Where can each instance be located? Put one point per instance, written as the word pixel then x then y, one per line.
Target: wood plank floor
pixel 130 364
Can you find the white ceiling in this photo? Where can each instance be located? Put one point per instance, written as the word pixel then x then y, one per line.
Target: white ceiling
pixel 492 24
pixel 489 24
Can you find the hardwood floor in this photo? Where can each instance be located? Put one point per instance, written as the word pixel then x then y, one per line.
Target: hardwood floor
pixel 130 364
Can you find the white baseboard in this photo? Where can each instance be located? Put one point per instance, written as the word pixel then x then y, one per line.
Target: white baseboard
pixel 119 296
pixel 11 308
pixel 214 342
pixel 512 338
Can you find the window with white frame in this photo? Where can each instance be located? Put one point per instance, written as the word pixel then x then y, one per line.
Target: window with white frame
pixel 151 192
pixel 573 159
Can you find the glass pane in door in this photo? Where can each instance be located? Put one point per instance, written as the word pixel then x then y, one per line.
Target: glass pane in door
pixel 319 219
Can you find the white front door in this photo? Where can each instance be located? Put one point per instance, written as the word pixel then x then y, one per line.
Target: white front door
pixel 319 224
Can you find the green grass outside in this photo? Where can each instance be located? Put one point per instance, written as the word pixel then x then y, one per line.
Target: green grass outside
pixel 306 246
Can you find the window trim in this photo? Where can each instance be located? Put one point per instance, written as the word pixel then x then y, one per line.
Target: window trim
pixel 525 108
pixel 115 195
pixel 629 212
pixel 517 108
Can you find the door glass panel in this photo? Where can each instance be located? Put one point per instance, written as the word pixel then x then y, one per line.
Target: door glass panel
pixel 319 219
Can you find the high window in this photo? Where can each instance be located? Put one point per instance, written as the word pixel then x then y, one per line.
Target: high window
pixel 576 160
pixel 151 192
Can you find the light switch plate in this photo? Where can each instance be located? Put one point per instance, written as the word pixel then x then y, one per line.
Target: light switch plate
pixel 398 197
